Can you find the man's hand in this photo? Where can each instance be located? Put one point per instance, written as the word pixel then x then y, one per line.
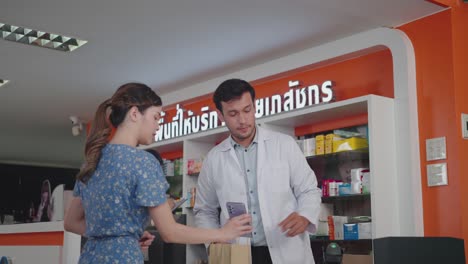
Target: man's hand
pixel 294 224
pixel 146 240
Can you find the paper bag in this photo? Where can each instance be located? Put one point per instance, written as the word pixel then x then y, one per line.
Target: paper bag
pixel 229 254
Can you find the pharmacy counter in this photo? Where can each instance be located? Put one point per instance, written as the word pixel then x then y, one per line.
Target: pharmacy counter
pixel 44 242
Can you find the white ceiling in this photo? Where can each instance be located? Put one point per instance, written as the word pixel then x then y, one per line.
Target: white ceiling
pixel 165 44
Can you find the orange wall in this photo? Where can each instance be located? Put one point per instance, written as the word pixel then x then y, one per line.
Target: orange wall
pixel 434 71
pixel 460 64
pixel 440 42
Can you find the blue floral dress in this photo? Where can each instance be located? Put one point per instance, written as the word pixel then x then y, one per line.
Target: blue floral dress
pixel 115 200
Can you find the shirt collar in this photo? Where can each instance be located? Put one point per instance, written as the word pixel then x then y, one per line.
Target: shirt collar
pixel 234 144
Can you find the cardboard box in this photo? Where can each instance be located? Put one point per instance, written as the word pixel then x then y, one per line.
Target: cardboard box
pixel 319 145
pixel 350 231
pixel 322 227
pixel 365 230
pixel 335 226
pixel 357 259
pixel 355 231
pixel 349 144
pixel 309 147
pixel 329 139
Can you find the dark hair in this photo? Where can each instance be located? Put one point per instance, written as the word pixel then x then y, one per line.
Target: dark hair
pixel 113 110
pixel 157 156
pixel 231 89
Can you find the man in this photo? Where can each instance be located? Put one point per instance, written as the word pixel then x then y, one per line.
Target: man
pixel 266 171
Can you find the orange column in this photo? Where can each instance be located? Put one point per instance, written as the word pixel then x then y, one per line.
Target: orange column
pixel 441 43
pixel 432 41
pixel 460 65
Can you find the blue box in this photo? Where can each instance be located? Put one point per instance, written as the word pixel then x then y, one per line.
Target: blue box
pixel 350 231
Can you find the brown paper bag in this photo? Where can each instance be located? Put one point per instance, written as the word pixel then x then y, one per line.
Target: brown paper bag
pixel 229 254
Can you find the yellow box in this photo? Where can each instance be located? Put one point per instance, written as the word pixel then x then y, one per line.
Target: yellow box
pixel 329 139
pixel 329 143
pixel 319 145
pixel 349 144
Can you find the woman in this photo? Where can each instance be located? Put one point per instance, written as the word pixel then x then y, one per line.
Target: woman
pixel 44 210
pixel 120 187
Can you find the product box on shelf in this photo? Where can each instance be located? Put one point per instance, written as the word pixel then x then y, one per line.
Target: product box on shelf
pixel 309 147
pixel 319 145
pixel 365 230
pixel 360 180
pixel 350 231
pixel 331 187
pixel 325 211
pixel 366 182
pixel 178 167
pixel 194 166
pixel 329 140
pixel 355 231
pixel 168 168
pixel 349 144
pixel 335 226
pixel 344 189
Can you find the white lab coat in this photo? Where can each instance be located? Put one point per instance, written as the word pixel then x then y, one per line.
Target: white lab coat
pixel 285 184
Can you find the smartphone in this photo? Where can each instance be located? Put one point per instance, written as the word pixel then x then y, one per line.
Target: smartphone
pixel 179 203
pixel 235 209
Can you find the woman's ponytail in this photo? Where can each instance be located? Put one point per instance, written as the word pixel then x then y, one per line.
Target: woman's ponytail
pixel 96 140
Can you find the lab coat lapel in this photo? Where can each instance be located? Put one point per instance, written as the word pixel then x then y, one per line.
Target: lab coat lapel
pixel 227 147
pixel 261 154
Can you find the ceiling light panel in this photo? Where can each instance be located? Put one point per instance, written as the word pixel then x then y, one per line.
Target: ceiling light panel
pixel 3 82
pixel 39 38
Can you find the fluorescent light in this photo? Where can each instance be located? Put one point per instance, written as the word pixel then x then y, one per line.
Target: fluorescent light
pixel 3 82
pixel 39 38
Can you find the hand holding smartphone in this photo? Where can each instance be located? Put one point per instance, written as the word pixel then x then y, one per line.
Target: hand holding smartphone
pixel 235 209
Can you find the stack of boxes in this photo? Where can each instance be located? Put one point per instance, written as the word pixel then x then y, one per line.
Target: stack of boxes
pixel 355 231
pixel 338 140
pixel 360 180
pixel 348 228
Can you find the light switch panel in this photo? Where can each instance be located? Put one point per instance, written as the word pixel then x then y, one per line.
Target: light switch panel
pixel 436 149
pixel 464 125
pixel 437 174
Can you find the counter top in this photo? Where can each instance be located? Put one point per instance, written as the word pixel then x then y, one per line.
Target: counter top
pixel 56 226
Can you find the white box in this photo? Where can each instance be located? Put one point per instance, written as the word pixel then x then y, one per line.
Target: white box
pixel 365 230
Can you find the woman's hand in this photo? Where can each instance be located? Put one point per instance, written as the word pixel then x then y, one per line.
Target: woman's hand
pixel 236 227
pixel 146 240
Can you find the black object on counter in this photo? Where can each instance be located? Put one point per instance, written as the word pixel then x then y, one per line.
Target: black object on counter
pixel 414 250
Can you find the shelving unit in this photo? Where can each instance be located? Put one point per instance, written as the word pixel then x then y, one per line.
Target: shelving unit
pixel 388 216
